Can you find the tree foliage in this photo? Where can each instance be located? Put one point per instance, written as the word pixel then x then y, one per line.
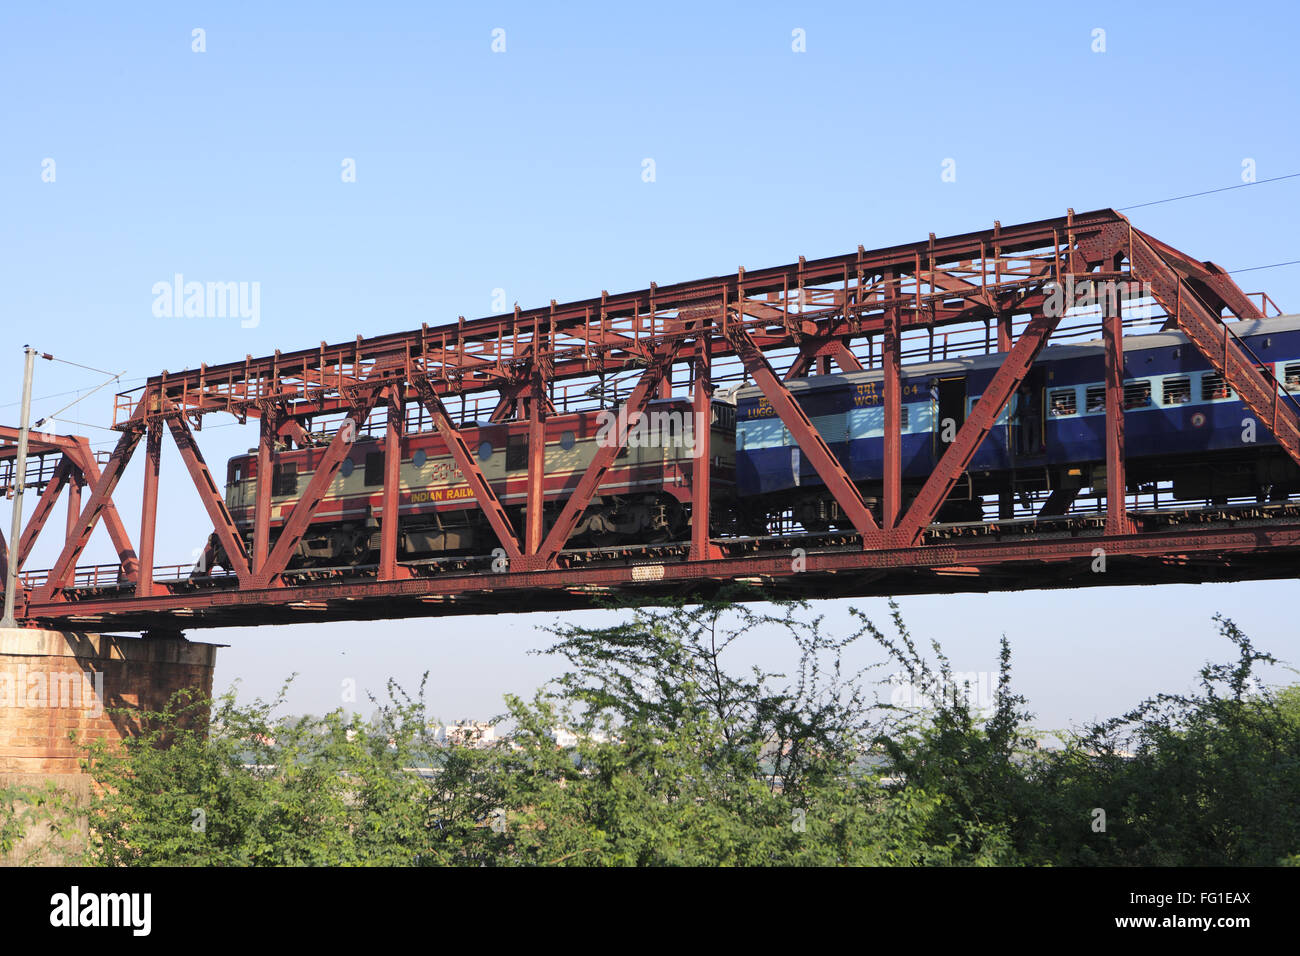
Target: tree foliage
pixel 682 759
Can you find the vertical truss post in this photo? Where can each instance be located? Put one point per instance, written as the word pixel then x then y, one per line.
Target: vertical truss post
pixel 892 401
pixel 1004 331
pixel 75 482
pixel 262 497
pixel 149 506
pixel 1006 496
pixel 702 472
pixel 390 520
pixel 536 464
pixel 1116 486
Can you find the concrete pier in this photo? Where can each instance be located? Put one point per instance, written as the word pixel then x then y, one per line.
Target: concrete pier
pixel 56 682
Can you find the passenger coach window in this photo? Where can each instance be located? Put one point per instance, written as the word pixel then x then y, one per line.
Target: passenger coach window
pixel 1291 374
pixel 1137 394
pixel 1177 391
pixel 1213 386
pixel 1095 398
pixel 1063 402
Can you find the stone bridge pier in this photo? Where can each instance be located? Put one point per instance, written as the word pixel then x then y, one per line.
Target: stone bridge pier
pixel 56 682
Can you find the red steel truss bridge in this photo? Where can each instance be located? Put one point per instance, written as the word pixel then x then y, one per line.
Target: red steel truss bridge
pixel 974 294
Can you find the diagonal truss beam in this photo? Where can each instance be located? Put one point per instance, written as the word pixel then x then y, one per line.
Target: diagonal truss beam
pixel 44 507
pixel 487 499
pixel 811 443
pixel 101 500
pixel 972 432
pixel 87 473
pixel 1213 338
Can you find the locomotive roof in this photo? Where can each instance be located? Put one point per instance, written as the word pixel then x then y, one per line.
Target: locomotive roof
pixel 1092 347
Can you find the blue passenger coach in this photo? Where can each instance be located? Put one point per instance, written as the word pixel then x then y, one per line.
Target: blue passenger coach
pixel 1180 419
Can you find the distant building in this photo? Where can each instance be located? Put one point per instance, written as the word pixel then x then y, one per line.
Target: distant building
pixel 467 733
pixel 565 738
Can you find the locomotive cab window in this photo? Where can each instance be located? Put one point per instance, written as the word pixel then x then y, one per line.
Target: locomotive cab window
pixel 375 468
pixel 1137 394
pixel 1063 402
pixel 1177 391
pixel 516 452
pixel 284 479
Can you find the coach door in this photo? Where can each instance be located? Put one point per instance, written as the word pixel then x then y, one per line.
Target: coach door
pixel 1026 417
pixel 950 411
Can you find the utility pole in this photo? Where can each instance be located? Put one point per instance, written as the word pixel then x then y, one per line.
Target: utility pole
pixel 20 479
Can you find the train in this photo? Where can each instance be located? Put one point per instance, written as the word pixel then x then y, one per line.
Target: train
pixel 644 496
pixel 1185 429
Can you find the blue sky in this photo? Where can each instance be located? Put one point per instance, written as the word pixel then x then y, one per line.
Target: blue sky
pixel 522 171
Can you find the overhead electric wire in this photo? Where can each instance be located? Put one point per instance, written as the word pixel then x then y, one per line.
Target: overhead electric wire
pixel 88 368
pixel 1275 265
pixel 55 415
pixel 1206 192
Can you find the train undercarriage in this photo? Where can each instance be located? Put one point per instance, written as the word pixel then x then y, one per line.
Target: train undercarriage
pixel 655 518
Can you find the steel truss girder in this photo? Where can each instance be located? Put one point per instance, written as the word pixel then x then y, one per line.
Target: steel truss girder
pixel 817 308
